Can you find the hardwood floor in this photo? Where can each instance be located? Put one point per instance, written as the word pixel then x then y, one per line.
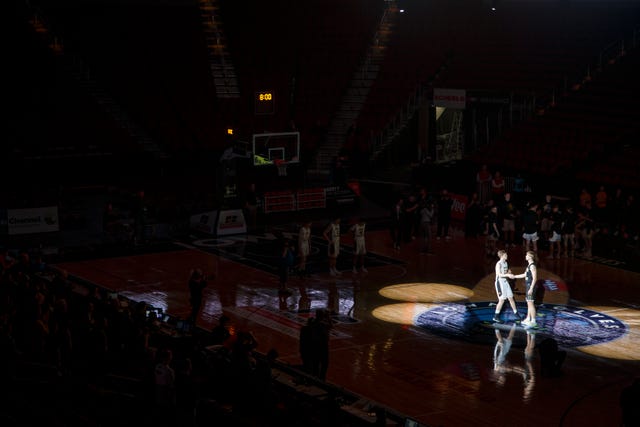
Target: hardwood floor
pixel 414 333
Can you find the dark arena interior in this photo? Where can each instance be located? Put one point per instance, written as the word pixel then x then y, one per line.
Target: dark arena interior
pixel 189 186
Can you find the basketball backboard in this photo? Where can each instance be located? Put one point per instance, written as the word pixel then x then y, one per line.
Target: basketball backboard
pixel 274 148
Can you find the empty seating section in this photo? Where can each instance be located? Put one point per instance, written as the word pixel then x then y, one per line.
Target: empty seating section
pixel 257 56
pixel 533 46
pixel 611 99
pixel 51 115
pixel 523 46
pixel 305 52
pixel 592 131
pixel 417 47
pixel 620 170
pixel 151 60
pixel 551 144
pixel 591 120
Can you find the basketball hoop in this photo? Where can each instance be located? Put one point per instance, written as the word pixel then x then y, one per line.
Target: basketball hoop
pixel 282 167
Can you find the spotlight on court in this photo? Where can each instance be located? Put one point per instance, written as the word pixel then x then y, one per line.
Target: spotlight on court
pixel 426 292
pixel 402 313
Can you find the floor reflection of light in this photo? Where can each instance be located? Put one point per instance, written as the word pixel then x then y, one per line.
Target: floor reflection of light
pixel 156 300
pixel 402 313
pixel 371 359
pixel 421 297
pixel 426 292
pixel 213 307
pixel 624 348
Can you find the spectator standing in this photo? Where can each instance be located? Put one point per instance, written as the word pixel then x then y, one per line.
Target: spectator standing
pixel 483 182
pixel 584 228
pixel 397 222
pixel 492 231
pixel 508 214
pixel 585 199
pixel 629 213
pixel 497 186
pixel 444 215
pixel 197 283
pixel 601 200
pixel 321 330
pixel 530 228
pixel 220 333
pixel 165 382
pixel 615 208
pixel 568 231
pixel 412 211
pixel 426 217
pixel 306 345
pixel 555 239
pixel 338 172
pixel 545 218
pixel 251 207
pixel 518 187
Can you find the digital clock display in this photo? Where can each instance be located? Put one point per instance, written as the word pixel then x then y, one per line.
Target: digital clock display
pixel 264 102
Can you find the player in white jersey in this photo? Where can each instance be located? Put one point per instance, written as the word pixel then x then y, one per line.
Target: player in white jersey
pixel 332 236
pixel 304 248
pixel 503 288
pixel 360 249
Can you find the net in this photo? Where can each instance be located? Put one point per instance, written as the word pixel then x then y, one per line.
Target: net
pixel 282 167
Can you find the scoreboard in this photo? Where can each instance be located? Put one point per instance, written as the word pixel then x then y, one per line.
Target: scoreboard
pixel 264 102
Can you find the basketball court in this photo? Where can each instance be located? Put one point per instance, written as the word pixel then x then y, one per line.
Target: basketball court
pixel 415 332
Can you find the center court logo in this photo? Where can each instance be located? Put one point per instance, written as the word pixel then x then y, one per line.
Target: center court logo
pixel 570 326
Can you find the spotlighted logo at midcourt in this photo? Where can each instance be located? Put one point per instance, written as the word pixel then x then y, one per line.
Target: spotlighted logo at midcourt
pixel 570 326
pixel 450 311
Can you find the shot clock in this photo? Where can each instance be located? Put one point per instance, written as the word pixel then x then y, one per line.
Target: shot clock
pixel 264 102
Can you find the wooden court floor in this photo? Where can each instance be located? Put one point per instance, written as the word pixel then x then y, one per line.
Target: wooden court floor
pixel 414 333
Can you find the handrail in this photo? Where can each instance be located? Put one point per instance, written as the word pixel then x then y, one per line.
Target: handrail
pixel 376 38
pixel 608 54
pixel 611 51
pixel 398 122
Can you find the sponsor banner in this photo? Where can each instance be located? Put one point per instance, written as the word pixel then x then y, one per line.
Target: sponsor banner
pixel 34 220
pixel 553 285
pixel 450 98
pixel 204 222
pixel 495 99
pixel 459 206
pixel 231 222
